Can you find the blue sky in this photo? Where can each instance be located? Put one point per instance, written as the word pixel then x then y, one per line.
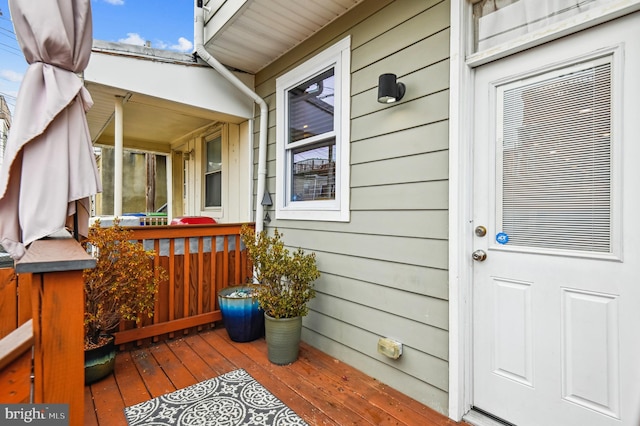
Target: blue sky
pixel 167 24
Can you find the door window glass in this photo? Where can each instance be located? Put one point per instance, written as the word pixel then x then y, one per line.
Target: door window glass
pixel 554 137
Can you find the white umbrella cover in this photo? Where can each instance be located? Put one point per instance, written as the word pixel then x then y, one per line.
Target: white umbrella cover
pixel 49 160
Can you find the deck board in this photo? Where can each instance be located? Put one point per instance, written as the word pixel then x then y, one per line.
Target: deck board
pixel 132 387
pixel 322 390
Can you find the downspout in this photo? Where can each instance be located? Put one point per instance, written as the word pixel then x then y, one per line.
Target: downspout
pixel 264 109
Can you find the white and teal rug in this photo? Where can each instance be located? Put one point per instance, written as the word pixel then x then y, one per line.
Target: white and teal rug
pixel 234 398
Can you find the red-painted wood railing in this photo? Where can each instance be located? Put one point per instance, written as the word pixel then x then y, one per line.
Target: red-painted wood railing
pixel 200 260
pixel 49 279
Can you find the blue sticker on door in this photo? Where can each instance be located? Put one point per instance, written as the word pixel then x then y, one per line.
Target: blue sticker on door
pixel 502 238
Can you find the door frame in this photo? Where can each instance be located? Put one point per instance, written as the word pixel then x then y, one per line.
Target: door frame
pixel 460 207
pixel 461 92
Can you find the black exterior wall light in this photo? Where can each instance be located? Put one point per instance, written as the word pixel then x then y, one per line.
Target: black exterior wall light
pixel 389 89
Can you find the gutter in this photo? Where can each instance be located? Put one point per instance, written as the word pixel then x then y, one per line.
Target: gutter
pixel 264 109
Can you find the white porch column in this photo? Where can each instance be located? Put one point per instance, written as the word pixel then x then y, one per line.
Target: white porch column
pixel 169 168
pixel 118 157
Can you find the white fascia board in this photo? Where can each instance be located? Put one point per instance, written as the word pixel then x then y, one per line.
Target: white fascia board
pixel 190 84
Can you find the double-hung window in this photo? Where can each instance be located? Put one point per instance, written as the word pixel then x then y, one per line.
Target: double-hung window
pixel 213 172
pixel 313 137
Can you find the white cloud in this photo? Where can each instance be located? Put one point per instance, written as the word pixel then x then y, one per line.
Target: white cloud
pixel 12 76
pixel 183 45
pixel 115 2
pixel 133 38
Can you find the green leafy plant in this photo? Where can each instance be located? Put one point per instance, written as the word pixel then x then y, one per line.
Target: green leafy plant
pixel 122 286
pixel 285 279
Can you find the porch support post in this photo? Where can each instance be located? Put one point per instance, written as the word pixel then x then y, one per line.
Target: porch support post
pixel 169 168
pixel 118 157
pixel 57 296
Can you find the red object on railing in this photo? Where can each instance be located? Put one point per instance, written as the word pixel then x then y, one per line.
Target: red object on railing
pixel 192 220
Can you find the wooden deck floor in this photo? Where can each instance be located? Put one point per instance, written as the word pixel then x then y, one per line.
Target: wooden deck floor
pixel 320 389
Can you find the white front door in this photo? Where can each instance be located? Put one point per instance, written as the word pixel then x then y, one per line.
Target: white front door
pixel 556 302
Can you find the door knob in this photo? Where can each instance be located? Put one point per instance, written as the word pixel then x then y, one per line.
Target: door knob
pixel 481 231
pixel 479 255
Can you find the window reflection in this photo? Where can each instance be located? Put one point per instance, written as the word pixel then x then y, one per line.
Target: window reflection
pixel 314 172
pixel 311 107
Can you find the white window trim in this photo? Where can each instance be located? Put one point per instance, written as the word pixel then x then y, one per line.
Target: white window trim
pixel 338 56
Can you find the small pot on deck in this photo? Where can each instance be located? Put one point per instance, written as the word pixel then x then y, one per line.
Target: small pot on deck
pixel 283 339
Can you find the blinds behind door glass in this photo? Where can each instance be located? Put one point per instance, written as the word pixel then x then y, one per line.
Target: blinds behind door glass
pixel 556 158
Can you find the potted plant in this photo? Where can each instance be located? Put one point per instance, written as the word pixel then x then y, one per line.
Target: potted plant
pixel 286 285
pixel 122 286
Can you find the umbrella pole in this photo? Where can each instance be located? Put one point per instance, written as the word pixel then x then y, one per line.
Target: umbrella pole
pixel 75 224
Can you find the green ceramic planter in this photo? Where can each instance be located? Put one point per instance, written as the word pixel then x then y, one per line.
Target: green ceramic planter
pixel 99 362
pixel 283 339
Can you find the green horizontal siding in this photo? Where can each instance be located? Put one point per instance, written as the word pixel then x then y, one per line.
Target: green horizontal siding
pixel 413 141
pixel 384 273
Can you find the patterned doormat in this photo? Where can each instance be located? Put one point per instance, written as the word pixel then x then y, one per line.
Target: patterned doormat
pixel 234 398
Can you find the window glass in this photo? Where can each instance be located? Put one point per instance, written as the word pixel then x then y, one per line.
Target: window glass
pixel 499 21
pixel 213 195
pixel 311 107
pixel 556 160
pixel 314 172
pixel 213 173
pixel 214 155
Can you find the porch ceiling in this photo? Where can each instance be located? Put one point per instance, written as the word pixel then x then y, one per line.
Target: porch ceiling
pixel 150 123
pixel 250 34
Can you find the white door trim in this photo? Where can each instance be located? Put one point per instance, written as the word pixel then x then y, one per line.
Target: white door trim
pixel 460 220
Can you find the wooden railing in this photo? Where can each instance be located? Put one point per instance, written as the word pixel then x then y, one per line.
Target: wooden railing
pixel 187 300
pixel 16 334
pixel 50 344
pixel 15 365
pixel 200 260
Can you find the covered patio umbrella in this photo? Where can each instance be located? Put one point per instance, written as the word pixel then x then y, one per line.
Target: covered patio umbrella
pixel 49 169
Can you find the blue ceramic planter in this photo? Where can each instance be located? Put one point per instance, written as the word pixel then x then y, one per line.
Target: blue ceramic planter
pixel 242 316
